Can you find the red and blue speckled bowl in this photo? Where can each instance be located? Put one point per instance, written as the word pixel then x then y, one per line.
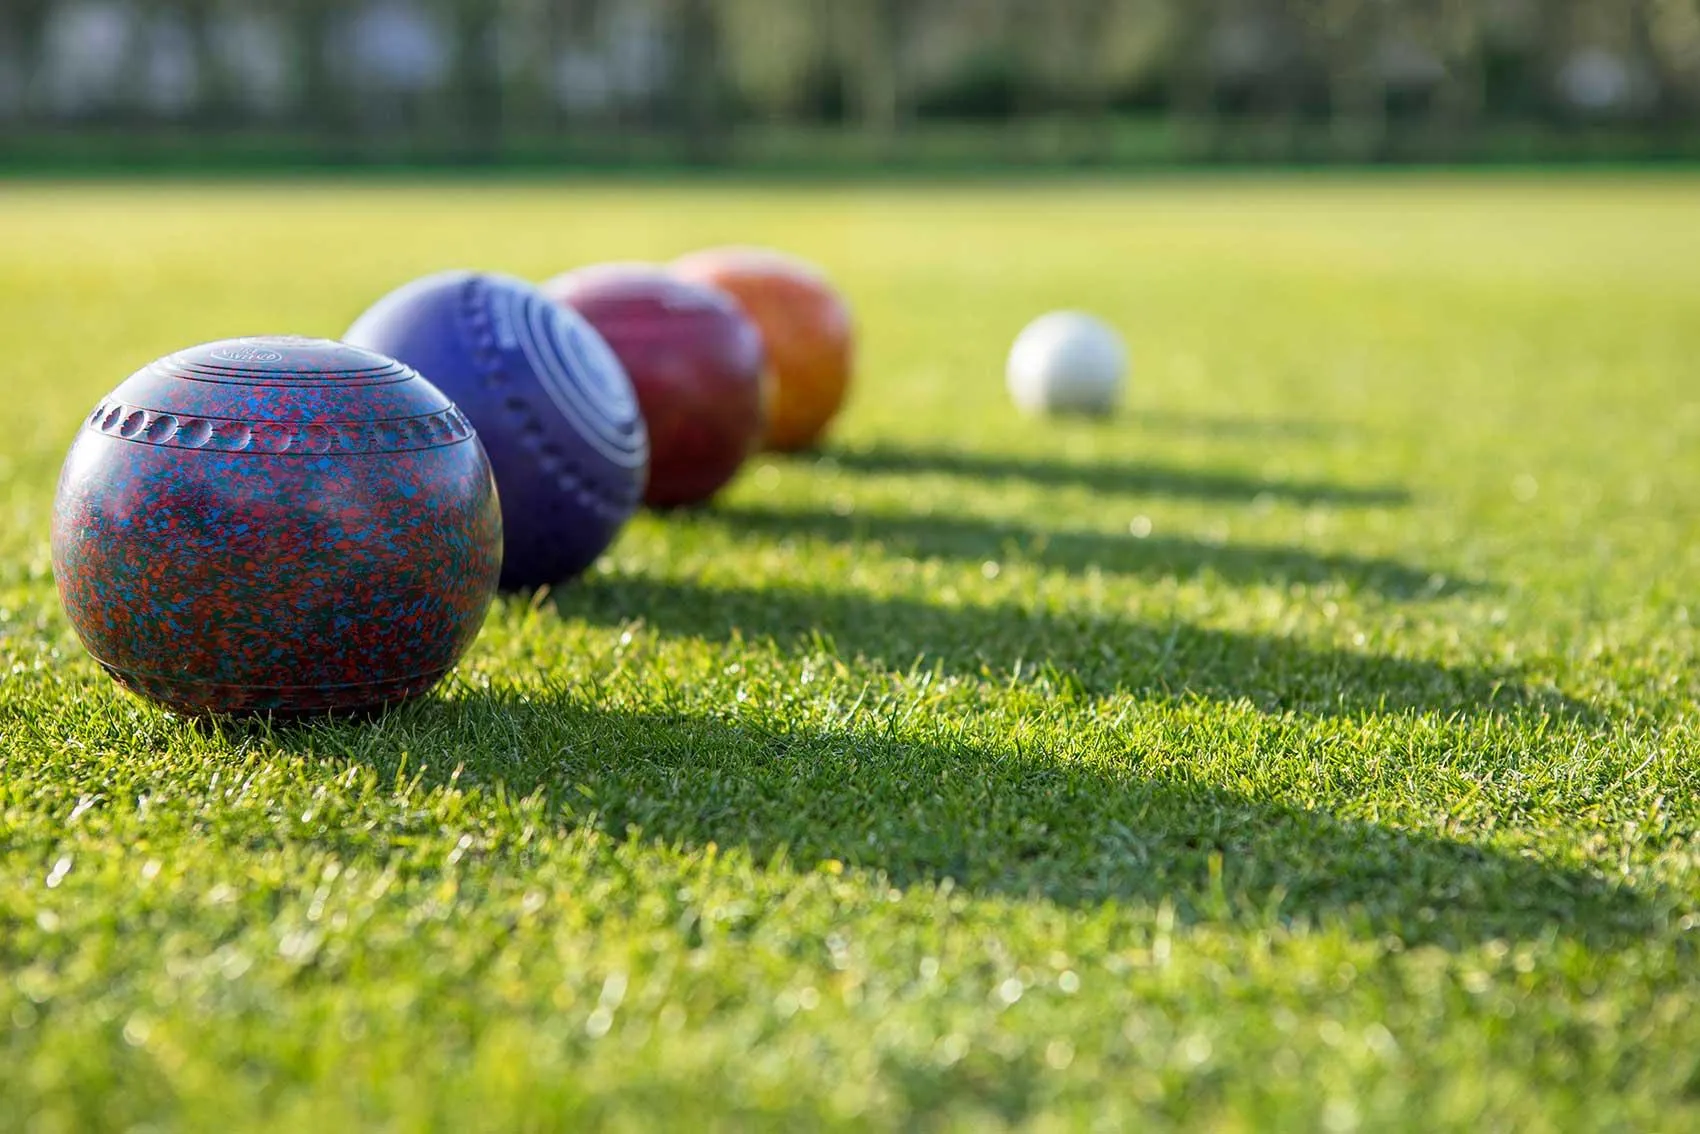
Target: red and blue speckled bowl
pixel 277 525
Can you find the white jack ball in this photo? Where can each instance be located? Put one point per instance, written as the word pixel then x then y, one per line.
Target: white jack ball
pixel 1067 362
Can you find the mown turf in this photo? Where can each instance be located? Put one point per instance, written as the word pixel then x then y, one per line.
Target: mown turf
pixel 1312 746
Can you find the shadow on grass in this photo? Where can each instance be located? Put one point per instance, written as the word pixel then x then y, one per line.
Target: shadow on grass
pixel 1129 478
pixel 1091 655
pixel 1022 824
pixel 974 540
pixel 1236 427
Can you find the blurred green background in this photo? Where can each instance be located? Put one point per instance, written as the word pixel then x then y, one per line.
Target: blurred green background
pixel 841 84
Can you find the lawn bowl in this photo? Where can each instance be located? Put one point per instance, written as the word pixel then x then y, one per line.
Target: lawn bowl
pixel 805 326
pixel 276 525
pixel 550 401
pixel 696 362
pixel 1067 363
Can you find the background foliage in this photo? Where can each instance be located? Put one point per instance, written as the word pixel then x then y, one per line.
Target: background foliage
pixel 717 80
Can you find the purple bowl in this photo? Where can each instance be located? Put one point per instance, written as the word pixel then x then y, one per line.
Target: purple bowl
pixel 550 401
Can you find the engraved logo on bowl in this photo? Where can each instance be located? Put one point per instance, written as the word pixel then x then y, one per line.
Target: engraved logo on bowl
pixel 245 354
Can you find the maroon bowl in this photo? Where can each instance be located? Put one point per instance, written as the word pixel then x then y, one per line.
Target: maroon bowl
pixel 696 362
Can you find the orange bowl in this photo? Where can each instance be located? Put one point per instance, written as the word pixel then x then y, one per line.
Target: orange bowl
pixel 805 325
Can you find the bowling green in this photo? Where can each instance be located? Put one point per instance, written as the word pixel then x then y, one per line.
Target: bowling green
pixel 1313 745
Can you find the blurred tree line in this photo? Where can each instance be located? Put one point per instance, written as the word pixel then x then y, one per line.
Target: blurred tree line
pixel 474 79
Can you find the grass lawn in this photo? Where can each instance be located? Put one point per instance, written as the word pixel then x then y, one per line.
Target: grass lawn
pixel 1312 746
